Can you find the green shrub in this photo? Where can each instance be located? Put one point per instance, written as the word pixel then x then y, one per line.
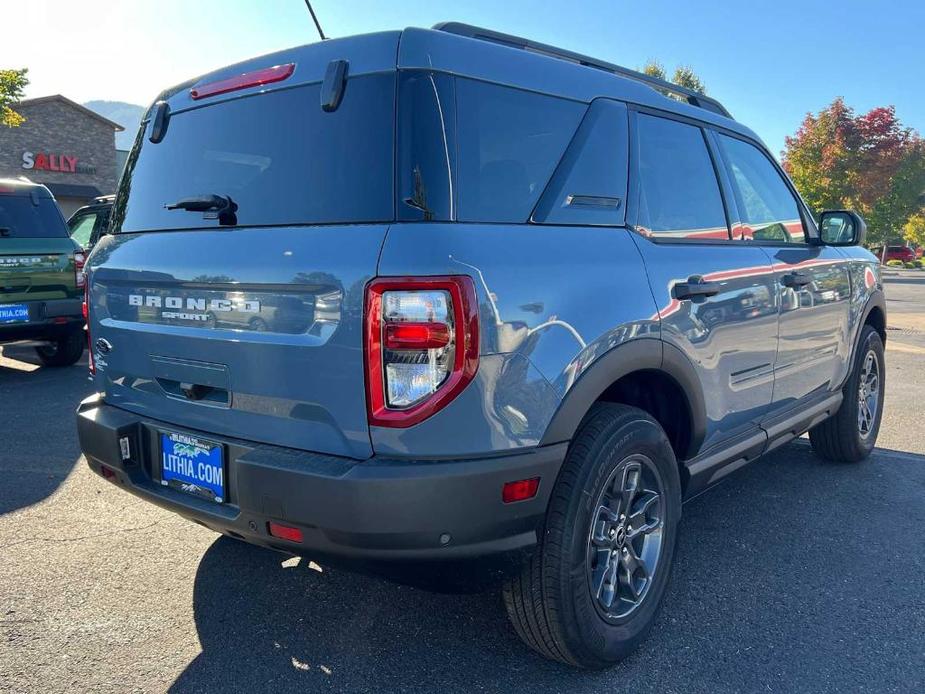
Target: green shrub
pixel 909 266
pixel 917 263
pixel 894 263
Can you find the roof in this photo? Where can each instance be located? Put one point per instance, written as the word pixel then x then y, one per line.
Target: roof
pixel 63 99
pixel 8 184
pixel 72 190
pixel 479 55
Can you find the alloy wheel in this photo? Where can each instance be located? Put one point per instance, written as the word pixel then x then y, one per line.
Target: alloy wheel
pixel 868 394
pixel 625 540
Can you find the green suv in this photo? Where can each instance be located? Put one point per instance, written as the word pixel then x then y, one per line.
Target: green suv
pixel 41 275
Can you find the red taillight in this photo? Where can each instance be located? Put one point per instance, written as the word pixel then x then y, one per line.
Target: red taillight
pixel 268 75
pixel 416 336
pixel 284 532
pixel 79 276
pixel 422 346
pixel 85 309
pixel 521 490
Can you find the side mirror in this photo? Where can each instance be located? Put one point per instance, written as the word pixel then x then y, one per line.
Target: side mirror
pixel 842 228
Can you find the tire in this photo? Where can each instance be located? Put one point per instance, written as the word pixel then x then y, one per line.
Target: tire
pixel 553 603
pixel 842 437
pixel 64 352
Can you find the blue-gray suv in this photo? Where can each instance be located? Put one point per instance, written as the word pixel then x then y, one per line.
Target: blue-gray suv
pixel 449 294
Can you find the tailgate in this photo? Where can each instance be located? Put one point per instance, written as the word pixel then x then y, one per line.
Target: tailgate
pixel 251 333
pixel 248 220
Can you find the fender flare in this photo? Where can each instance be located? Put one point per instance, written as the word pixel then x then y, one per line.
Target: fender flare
pixel 636 355
pixel 877 299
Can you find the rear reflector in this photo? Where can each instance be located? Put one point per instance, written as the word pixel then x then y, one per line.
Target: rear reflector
pixel 268 75
pixel 520 490
pixel 284 532
pixel 108 473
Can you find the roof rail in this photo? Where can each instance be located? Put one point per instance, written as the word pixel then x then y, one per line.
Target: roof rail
pixel 689 95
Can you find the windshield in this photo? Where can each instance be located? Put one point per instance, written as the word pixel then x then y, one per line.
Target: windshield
pixel 278 156
pixel 28 217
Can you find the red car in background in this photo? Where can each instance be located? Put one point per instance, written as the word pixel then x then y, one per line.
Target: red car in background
pixel 903 253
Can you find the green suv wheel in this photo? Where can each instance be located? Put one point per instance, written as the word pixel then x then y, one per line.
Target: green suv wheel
pixel 65 352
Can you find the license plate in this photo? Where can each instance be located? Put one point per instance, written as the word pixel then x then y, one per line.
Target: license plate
pixel 14 313
pixel 193 465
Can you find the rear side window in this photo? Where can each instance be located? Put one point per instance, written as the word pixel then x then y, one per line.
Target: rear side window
pixel 81 227
pixel 509 143
pixel 278 156
pixel 768 209
pixel 679 195
pixel 28 217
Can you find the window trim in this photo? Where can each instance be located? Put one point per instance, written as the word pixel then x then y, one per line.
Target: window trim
pixel 810 229
pixel 635 189
pixel 734 192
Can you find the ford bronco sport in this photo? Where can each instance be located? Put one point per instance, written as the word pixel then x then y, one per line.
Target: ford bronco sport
pixel 41 275
pixel 449 294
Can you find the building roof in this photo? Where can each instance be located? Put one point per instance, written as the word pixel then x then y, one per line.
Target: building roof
pixel 63 99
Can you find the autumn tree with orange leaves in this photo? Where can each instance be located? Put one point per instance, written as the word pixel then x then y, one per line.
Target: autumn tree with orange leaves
pixel 869 163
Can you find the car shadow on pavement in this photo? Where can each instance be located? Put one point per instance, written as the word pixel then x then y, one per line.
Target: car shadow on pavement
pixel 774 566
pixel 38 445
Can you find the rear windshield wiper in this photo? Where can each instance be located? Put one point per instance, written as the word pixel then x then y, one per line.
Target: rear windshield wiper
pixel 220 207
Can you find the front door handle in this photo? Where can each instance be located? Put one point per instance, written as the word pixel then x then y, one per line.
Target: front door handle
pixel 695 288
pixel 796 279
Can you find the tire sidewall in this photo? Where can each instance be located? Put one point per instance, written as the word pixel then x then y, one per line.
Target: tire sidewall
pixel 585 626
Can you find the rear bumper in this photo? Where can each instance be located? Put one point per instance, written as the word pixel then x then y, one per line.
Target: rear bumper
pixel 375 509
pixel 48 320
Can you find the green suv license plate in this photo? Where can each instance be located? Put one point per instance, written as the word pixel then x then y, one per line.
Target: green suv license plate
pixel 14 313
pixel 193 465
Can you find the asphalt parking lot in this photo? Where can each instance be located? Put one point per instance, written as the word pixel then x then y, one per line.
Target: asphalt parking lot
pixel 793 575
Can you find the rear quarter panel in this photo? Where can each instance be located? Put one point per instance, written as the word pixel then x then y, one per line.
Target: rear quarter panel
pixel 552 300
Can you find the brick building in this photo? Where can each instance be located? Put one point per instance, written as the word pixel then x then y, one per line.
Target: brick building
pixel 67 147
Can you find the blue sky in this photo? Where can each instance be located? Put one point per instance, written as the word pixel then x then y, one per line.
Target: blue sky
pixel 768 62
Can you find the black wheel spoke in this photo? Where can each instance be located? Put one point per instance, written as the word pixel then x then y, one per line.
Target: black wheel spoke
pixel 629 487
pixel 644 519
pixel 634 575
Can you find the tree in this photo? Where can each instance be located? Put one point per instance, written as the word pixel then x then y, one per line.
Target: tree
pixel 684 76
pixel 869 162
pixel 12 85
pixel 655 69
pixel 914 230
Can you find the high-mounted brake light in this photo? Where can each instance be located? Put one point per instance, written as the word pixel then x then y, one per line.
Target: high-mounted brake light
pixel 267 75
pixel 422 346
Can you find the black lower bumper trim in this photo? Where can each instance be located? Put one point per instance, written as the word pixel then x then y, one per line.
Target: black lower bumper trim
pixel 376 509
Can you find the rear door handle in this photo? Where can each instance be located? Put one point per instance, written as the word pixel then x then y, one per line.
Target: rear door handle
pixel 796 279
pixel 695 288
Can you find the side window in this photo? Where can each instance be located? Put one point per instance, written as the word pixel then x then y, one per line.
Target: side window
pixel 679 195
pixel 82 227
pixel 510 142
pixel 768 210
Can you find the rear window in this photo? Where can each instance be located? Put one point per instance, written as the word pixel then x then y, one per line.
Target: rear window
pixel 278 156
pixel 28 217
